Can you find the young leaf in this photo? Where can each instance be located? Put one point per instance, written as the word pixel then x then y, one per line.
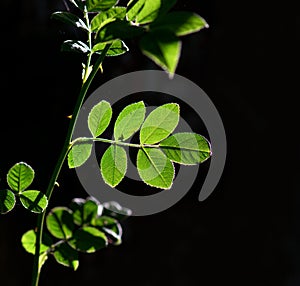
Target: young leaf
pixel 113 165
pixel 60 222
pixel 163 47
pixel 154 168
pixel 75 46
pixel 42 259
pixel 186 148
pixel 180 23
pixel 88 239
pixel 118 29
pixel 160 123
pixel 79 154
pixel 7 201
pixel 117 48
pixel 66 256
pixel 99 118
pixel 19 177
pixel 70 18
pixel 105 17
pixel 99 5
pixel 28 241
pixel 35 201
pixel 129 120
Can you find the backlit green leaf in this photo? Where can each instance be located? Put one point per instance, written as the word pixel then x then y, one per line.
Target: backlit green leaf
pixel 35 201
pixel 20 177
pixel 154 168
pixel 118 29
pixel 99 118
pixel 186 148
pixel 66 256
pixel 149 12
pixel 113 165
pixel 133 8
pixel 163 47
pixel 7 201
pixel 99 5
pixel 129 120
pixel 84 211
pixel 60 222
pixel 103 18
pixel 160 123
pixel 70 18
pixel 180 23
pixel 75 46
pixel 79 154
pixel 117 48
pixel 28 241
pixel 88 239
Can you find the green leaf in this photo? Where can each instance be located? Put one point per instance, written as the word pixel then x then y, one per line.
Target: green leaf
pixel 160 123
pixel 60 222
pixel 70 18
pixel 163 47
pixel 154 168
pixel 28 241
pixel 110 227
pixel 129 120
pixel 35 201
pixel 115 210
pixel 7 201
pixel 99 118
pixel 84 211
pixel 113 165
pixel 134 7
pixel 180 23
pixel 88 239
pixel 103 18
pixel 75 46
pixel 79 154
pixel 20 177
pixel 42 259
pixel 118 29
pixel 186 148
pixel 99 5
pixel 66 256
pixel 117 48
pixel 149 12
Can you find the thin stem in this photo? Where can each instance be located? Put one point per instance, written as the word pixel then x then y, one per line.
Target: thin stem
pixel 120 143
pixel 59 164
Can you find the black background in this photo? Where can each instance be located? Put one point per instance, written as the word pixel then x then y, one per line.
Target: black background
pixel 247 232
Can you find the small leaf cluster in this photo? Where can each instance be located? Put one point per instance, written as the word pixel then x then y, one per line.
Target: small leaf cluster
pixel 157 29
pixel 158 149
pixel 19 178
pixel 85 226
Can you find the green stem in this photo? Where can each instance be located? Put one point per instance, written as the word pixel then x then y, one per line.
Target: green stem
pixel 59 164
pixel 120 143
